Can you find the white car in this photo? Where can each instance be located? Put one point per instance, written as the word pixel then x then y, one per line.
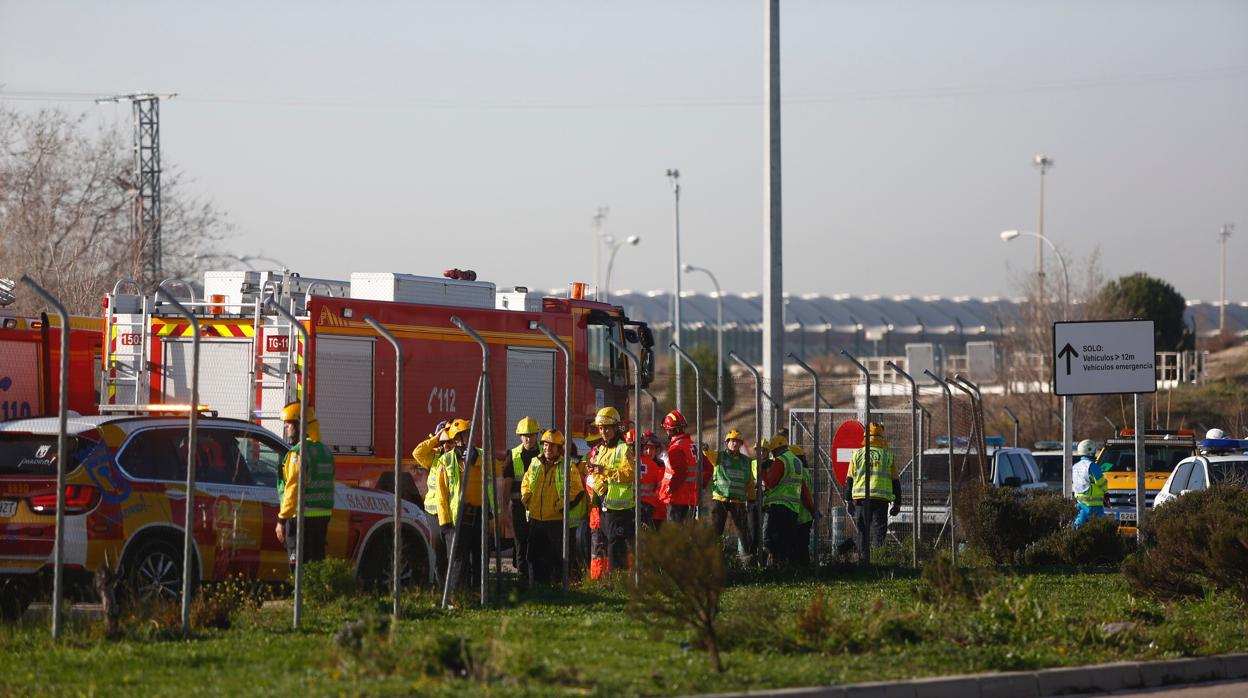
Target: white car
pixel 1198 472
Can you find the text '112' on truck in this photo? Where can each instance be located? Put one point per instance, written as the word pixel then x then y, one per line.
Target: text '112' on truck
pixel 252 362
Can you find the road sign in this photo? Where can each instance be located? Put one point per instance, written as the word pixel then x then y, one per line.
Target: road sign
pixel 1104 357
pixel 848 437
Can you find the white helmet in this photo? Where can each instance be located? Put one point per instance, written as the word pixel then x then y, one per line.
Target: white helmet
pixel 1085 448
pixel 1215 433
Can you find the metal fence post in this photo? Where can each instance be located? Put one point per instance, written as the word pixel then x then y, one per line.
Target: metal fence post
pixel 396 566
pixel 654 410
pixel 980 444
pixel 953 548
pixel 636 456
pixel 62 445
pixel 486 456
pixel 916 459
pixel 756 535
pixel 814 480
pixel 303 446
pixel 865 529
pixel 188 533
pixel 1013 418
pixel 697 411
pixel 567 435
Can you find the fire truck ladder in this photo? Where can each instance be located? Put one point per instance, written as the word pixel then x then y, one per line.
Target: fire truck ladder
pixel 125 374
pixel 275 363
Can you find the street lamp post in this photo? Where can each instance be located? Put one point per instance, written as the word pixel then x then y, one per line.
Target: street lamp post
pixel 1044 163
pixel 1224 235
pixel 674 176
pixel 1008 235
pixel 719 330
pixel 615 247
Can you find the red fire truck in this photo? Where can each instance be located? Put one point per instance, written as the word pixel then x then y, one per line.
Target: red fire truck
pixel 30 356
pixel 252 363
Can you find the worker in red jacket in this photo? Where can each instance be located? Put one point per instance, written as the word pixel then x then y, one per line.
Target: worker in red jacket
pixel 654 511
pixel 680 490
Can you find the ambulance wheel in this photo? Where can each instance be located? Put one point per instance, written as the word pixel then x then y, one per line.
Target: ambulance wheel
pixel 375 567
pixel 153 572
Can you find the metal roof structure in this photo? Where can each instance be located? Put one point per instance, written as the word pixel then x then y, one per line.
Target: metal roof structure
pixel 874 315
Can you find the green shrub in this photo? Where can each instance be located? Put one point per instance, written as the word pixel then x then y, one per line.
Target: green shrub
pixel 681 581
pixel 327 580
pixel 1193 545
pixel 1096 542
pixel 1002 521
pixel 752 623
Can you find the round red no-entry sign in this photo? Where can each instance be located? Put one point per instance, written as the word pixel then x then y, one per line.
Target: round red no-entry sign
pixel 848 437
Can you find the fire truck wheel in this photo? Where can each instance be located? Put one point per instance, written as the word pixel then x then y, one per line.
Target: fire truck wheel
pixel 153 571
pixel 375 567
pixel 16 593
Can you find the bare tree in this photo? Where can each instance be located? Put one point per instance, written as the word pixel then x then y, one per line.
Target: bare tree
pixel 66 202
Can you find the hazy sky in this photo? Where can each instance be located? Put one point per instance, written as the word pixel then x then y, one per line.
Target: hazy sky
pixel 419 136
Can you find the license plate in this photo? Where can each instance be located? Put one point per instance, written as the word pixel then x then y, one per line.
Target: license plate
pixel 8 507
pixel 1126 516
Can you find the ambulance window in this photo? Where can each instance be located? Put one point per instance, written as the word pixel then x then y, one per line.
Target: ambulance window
pixel 154 455
pixel 263 458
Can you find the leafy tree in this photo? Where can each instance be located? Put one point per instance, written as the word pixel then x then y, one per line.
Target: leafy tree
pixel 66 198
pixel 704 356
pixel 1144 297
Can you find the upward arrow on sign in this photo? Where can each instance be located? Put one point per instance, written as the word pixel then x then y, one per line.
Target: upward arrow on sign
pixel 1068 352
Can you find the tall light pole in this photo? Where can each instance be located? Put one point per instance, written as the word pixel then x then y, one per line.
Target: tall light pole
pixel 1044 163
pixel 1008 235
pixel 1223 236
pixel 600 217
pixel 615 247
pixel 674 176
pixel 719 331
pixel 773 237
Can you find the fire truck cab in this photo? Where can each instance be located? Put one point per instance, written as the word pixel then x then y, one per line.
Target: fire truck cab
pixel 252 361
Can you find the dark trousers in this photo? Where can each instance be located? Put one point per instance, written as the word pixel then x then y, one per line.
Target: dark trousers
pixel 722 511
pixel 465 566
pixel 520 524
pixel 314 534
pixel 647 517
pixel 780 532
pixel 678 512
pixel 878 525
pixel 802 550
pixel 619 523
pixel 545 554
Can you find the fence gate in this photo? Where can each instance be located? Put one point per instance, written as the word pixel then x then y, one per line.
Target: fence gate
pixel 834 529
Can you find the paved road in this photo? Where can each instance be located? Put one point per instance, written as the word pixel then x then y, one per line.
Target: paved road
pixel 1216 689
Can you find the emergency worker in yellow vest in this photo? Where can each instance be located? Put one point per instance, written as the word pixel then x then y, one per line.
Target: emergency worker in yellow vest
pixel 805 517
pixel 318 503
pixel 513 475
pixel 428 455
pixel 729 484
pixel 785 495
pixel 542 492
pixel 456 483
pixel 611 469
pixel 883 489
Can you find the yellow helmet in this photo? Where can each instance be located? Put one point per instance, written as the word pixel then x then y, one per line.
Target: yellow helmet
pixel 607 416
pixel 877 429
pixel 797 451
pixel 290 413
pixel 734 434
pixel 527 425
pixel 459 426
pixel 553 436
pixel 777 441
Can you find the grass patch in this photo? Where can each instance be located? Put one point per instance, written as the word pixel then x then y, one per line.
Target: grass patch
pixel 777 629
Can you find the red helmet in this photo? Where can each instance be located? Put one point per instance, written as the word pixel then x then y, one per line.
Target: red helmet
pixel 649 439
pixel 674 420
